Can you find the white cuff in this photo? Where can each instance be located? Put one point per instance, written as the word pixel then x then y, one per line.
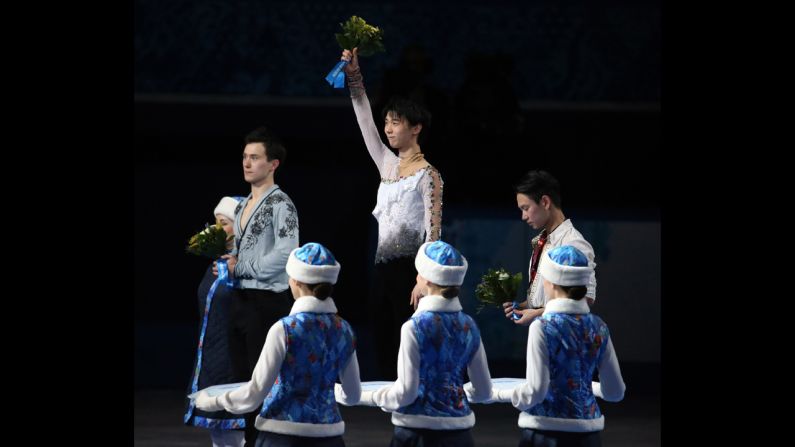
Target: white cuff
pixel 207 403
pixel 468 387
pixel 367 399
pixel 468 390
pixel 502 395
pixel 597 389
pixel 338 394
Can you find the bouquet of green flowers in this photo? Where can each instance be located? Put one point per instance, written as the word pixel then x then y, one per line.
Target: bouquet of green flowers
pixel 210 242
pixel 497 287
pixel 356 33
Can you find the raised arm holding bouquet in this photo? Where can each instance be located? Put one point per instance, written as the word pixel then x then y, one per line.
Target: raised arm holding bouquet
pixel 356 33
pixel 409 201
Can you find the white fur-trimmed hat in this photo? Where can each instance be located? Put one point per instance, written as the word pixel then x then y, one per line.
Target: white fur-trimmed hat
pixel 226 207
pixel 313 264
pixel 441 264
pixel 566 266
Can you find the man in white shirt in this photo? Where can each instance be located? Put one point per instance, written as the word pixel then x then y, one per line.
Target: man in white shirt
pixel 538 196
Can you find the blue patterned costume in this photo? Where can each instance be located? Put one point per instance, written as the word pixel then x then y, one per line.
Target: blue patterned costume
pixel 575 343
pixel 447 342
pixel 318 348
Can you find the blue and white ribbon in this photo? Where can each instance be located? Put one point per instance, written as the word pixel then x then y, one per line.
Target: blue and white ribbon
pixel 223 278
pixel 336 77
pixel 515 315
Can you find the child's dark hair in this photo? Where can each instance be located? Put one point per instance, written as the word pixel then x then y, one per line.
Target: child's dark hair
pixel 321 290
pixel 574 292
pixel 450 291
pixel 274 149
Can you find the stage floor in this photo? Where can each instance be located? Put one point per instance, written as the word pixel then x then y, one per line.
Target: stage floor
pixel 633 422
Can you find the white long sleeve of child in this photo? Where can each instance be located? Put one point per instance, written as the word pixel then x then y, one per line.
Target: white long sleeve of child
pixel 478 389
pixel 350 390
pixel 406 388
pixel 249 396
pixel 534 390
pixel 610 386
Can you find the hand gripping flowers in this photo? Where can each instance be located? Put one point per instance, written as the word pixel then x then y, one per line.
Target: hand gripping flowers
pixel 356 33
pixel 497 287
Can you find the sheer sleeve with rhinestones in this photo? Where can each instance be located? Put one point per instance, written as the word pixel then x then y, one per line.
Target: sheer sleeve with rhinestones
pixel 431 188
pixel 384 159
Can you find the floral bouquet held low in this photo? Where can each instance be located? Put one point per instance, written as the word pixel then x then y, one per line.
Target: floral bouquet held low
pixel 497 287
pixel 210 242
pixel 356 33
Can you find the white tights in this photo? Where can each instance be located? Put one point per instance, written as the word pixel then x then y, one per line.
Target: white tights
pixel 228 438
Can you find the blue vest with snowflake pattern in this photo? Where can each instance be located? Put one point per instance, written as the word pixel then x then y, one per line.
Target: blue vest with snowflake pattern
pixel 319 346
pixel 575 345
pixel 447 342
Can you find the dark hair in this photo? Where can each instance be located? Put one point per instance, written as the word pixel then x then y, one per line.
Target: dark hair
pixel 574 292
pixel 321 290
pixel 450 291
pixel 414 112
pixel 536 184
pixel 274 149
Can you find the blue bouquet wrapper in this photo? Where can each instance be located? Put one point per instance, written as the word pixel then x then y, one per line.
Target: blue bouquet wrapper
pixel 514 315
pixel 336 77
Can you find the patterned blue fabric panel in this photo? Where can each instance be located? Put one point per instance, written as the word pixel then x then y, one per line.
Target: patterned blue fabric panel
pixel 218 424
pixel 313 253
pixel 444 254
pixel 216 365
pixel 568 255
pixel 547 50
pixel 447 343
pixel 318 348
pixel 575 344
pixel 216 362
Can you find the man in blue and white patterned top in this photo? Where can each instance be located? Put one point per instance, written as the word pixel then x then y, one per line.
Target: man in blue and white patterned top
pixel 266 230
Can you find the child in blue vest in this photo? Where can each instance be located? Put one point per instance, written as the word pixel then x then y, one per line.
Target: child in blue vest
pixel 305 353
pixel 564 347
pixel 437 346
